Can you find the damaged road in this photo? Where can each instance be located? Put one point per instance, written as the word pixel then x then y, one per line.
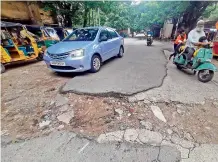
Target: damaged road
pixel 162 122
pixel 181 86
pixel 64 146
pixel 141 68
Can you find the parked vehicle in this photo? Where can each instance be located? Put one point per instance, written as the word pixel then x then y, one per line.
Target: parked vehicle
pixel 63 32
pixel 201 63
pixel 84 49
pixel 46 35
pixel 17 45
pixel 215 45
pixel 149 40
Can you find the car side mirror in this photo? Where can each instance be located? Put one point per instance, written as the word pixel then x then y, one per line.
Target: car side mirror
pixel 103 38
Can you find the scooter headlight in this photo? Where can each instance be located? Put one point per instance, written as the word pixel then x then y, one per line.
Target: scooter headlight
pixel 77 53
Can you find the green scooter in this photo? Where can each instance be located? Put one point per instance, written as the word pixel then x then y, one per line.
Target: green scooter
pixel 201 63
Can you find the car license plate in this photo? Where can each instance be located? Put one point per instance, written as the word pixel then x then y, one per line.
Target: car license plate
pixel 57 63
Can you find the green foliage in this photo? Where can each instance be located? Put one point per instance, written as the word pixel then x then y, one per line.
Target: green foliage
pixel 211 12
pixel 121 15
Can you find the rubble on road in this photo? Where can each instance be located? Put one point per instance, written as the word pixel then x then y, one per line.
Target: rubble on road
pixel 66 117
pixel 147 125
pixel 184 143
pixel 119 112
pixel 184 151
pixel 150 137
pixel 60 100
pixel 111 137
pixel 169 131
pixel 64 108
pixel 131 135
pixel 44 124
pixel 60 127
pixel 158 113
pixel 215 103
pixel 146 101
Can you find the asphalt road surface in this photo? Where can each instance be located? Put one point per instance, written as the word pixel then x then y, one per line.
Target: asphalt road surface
pixel 66 147
pixel 142 67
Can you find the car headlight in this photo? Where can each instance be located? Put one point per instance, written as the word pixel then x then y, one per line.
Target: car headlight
pixel 77 53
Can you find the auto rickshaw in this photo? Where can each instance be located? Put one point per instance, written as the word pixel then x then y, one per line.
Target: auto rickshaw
pixel 215 41
pixel 215 45
pixel 47 35
pixel 67 31
pixel 17 45
pixel 63 32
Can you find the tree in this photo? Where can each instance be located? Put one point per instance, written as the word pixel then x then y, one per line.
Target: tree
pixel 90 10
pixel 121 15
pixel 66 10
pixel 211 12
pixel 193 12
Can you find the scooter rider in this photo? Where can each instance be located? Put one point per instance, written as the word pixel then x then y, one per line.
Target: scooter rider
pixel 193 39
pixel 149 32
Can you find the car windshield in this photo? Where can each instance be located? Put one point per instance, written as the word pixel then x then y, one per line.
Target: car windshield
pixel 82 35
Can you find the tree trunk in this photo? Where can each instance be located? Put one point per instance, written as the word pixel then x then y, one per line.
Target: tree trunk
pixel 96 18
pixel 193 13
pixel 99 18
pixel 89 17
pixel 85 16
pixel 67 21
pixel 93 20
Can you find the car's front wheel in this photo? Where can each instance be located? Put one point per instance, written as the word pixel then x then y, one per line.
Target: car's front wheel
pixel 120 52
pixel 95 64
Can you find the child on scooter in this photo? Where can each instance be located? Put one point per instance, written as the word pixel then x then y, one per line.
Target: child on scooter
pixel 180 40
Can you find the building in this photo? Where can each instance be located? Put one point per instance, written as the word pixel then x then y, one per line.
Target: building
pixel 26 12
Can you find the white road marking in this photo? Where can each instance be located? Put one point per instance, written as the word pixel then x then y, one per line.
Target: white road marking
pixel 83 147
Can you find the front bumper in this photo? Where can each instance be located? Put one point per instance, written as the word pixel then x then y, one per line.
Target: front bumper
pixel 78 64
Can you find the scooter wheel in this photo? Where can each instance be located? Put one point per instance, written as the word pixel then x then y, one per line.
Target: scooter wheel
pixel 179 67
pixel 205 75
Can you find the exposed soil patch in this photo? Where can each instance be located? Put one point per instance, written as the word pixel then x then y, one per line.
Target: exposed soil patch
pixel 26 92
pixel 28 102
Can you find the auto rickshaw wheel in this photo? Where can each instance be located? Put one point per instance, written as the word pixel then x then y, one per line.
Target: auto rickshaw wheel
pixel 2 68
pixel 40 57
pixel 205 75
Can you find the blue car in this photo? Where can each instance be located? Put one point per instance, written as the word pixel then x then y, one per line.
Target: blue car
pixel 84 49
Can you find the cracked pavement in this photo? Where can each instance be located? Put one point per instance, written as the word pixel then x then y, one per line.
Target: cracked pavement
pixel 64 146
pixel 140 69
pixel 180 86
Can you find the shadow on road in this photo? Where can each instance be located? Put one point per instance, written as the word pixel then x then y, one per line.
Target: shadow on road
pixel 85 73
pixel 15 65
pixel 187 71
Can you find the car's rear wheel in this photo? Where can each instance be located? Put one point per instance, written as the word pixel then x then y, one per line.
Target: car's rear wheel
pixel 95 64
pixel 121 51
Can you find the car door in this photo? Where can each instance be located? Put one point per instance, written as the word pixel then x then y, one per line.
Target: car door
pixel 115 42
pixel 106 45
